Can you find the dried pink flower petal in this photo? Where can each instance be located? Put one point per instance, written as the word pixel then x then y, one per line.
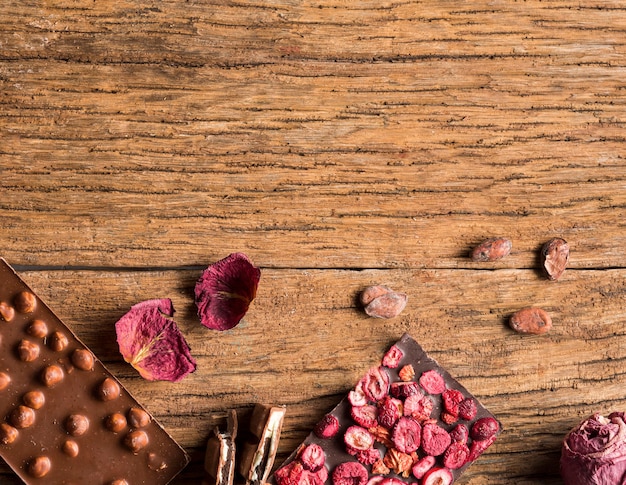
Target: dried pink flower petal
pixel 151 342
pixel 225 290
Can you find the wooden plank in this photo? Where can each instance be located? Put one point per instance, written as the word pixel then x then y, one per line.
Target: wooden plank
pixel 305 342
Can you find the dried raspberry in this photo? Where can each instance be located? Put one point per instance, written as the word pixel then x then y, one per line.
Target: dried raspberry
pixel 422 466
pixel 438 476
pixel 403 390
pixel 389 410
pixel 375 384
pixel 407 435
pixel 456 455
pixel 364 416
pixel 467 409
pixel 459 433
pixel 477 447
pixel 357 439
pixel 451 399
pixel 312 457
pixel 435 439
pixel 418 407
pixel 448 418
pixel 357 397
pixel 432 382
pixel 379 468
pixel 327 427
pixel 368 457
pixel 350 473
pixel 397 461
pixel 484 428
pixel 392 358
pixel 290 474
pixel 407 373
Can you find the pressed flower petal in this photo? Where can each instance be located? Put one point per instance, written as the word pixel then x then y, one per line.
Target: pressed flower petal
pixel 225 290
pixel 151 342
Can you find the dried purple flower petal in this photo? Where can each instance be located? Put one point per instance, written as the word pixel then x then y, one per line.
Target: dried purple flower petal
pixel 225 290
pixel 151 342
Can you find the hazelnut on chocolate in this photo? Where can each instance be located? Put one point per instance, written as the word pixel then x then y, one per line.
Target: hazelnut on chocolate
pixel 37 328
pixel 136 440
pixel 76 424
pixel 83 359
pixel 39 466
pixel 138 418
pixel 70 448
pixel 25 302
pixel 8 433
pixel 22 417
pixel 28 351
pixel 108 390
pixel 52 375
pixel 5 380
pixel 34 399
pixel 7 312
pixel 58 342
pixel 115 422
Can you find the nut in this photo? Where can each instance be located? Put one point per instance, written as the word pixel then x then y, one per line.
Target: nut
pixel 108 390
pixel 76 424
pixel 5 380
pixel 136 440
pixel 83 359
pixel 22 417
pixel 28 351
pixel 52 375
pixel 531 320
pixel 39 466
pixel 37 328
pixel 138 418
pixel 25 302
pixel 8 434
pixel 492 249
pixel 554 258
pixel 382 302
pixel 70 448
pixel 7 312
pixel 34 399
pixel 58 341
pixel 115 422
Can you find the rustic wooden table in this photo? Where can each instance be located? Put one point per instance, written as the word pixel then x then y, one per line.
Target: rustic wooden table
pixel 338 144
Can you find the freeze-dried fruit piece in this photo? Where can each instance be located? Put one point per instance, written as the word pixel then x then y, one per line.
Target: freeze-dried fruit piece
pixel 356 396
pixel 438 476
pixel 151 342
pixel 312 457
pixel 554 258
pixel 379 468
pixel 327 427
pixel 402 390
pixel 478 446
pixel 350 473
pixel 407 373
pixel 492 249
pixel 389 410
pixel 357 439
pixel 407 435
pixel 459 433
pixel 435 439
pixel 364 416
pixel 375 384
pixel 393 357
pixel 456 455
pixel 467 409
pixel 451 399
pixel 422 466
pixel 225 290
pixel 382 302
pixel 368 457
pixel 398 461
pixel 382 435
pixel 419 407
pixel 484 428
pixel 432 382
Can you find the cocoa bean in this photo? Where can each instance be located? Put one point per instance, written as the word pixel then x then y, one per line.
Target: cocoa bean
pixel 531 320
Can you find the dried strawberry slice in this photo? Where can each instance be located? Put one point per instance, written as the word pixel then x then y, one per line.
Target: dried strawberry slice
pixel 419 407
pixel 467 409
pixel 438 476
pixel 459 433
pixel 357 397
pixel 422 466
pixel 357 439
pixel 364 416
pixel 327 427
pixel 389 411
pixel 435 439
pixel 407 435
pixel 393 357
pixel 456 455
pixel 350 473
pixel 432 382
pixel 312 457
pixel 289 474
pixel 375 384
pixel 402 390
pixel 451 399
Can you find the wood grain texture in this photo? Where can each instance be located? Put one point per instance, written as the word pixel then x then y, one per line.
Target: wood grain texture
pixel 338 144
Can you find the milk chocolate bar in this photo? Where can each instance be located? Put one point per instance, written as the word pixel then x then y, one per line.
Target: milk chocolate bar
pixel 64 418
pixel 406 421
pixel 221 449
pixel 258 449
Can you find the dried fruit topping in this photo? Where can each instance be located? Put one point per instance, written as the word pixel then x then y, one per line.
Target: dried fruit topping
pixel 357 439
pixel 389 410
pixel 368 457
pixel 451 399
pixel 456 455
pixel 459 433
pixel 432 382
pixel 382 302
pixel 350 473
pixel 435 439
pixel 422 466
pixel 531 320
pixel 419 407
pixel 407 435
pixel 398 462
pixel 477 447
pixel 357 397
pixel 294 473
pixel 393 357
pixel 438 476
pixel 382 435
pixel 151 342
pixel 375 384
pixel 492 249
pixel 225 290
pixel 379 468
pixel 483 429
pixel 402 390
pixel 327 427
pixel 407 373
pixel 312 457
pixel 467 409
pixel 365 416
pixel 554 258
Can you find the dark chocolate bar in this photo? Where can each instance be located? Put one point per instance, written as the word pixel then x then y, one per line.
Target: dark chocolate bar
pixel 64 418
pixel 407 420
